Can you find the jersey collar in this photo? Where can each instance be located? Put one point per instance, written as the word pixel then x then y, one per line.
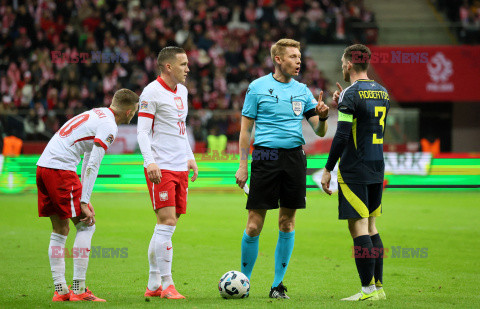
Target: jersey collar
pixel 113 113
pixel 162 82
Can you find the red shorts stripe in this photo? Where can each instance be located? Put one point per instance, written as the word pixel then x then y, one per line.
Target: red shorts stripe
pixel 171 191
pixel 146 115
pixel 59 193
pixel 97 140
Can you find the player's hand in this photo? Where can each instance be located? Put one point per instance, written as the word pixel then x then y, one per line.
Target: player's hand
pixel 336 94
pixel 154 173
pixel 89 213
pixel 241 176
pixel 321 109
pixel 326 177
pixel 192 165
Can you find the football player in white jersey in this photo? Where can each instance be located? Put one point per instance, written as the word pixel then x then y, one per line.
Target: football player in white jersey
pixel 168 157
pixel 61 195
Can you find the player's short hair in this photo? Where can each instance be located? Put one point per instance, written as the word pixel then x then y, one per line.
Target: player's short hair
pixel 124 99
pixel 278 49
pixel 359 55
pixel 167 54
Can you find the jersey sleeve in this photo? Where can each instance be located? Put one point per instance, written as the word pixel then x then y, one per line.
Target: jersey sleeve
pixel 146 116
pixel 146 108
pixel 346 106
pixel 106 134
pixel 91 172
pixel 311 101
pixel 250 106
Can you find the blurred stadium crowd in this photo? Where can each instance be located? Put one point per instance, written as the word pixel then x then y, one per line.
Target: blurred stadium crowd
pixel 467 14
pixel 44 82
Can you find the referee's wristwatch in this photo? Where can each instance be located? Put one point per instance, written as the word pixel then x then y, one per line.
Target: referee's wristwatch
pixel 323 119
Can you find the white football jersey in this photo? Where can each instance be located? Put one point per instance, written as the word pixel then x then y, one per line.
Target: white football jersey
pixel 77 137
pixel 168 109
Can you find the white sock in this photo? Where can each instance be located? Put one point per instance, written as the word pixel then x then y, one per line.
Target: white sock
pixel 164 252
pixel 56 251
pixel 368 289
pixel 167 281
pixel 81 252
pixel 379 288
pixel 154 273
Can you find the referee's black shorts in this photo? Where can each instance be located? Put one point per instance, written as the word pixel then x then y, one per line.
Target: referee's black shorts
pixel 277 175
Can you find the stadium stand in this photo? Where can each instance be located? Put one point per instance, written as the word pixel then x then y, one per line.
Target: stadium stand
pixel 59 58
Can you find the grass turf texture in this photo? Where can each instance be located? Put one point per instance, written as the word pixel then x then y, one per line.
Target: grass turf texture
pixel 207 244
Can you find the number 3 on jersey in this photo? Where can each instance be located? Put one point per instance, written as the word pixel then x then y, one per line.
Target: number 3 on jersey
pixel 68 128
pixel 378 110
pixel 181 126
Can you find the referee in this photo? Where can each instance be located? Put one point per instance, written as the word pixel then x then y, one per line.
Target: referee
pixel 276 104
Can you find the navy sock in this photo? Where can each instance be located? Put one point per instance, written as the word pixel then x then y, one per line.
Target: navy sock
pixel 378 245
pixel 363 259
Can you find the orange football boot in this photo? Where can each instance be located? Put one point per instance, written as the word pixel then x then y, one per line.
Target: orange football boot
pixel 59 297
pixel 156 293
pixel 171 293
pixel 87 296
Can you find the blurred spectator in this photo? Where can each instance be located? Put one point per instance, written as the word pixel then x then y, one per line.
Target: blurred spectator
pixel 34 126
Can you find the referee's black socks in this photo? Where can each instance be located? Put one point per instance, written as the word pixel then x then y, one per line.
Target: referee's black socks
pixel 378 245
pixel 362 251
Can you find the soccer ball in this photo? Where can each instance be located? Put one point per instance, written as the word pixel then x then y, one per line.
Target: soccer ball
pixel 234 284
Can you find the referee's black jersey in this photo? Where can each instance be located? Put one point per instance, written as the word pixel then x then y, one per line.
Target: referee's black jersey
pixel 365 103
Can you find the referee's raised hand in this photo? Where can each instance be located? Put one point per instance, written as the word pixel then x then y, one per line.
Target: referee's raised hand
pixel 321 109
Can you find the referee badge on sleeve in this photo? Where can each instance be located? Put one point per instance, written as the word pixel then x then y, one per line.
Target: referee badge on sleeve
pixel 297 107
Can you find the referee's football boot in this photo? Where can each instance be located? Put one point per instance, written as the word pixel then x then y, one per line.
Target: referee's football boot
pixel 279 292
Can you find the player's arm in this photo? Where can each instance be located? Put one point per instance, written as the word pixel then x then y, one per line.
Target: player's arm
pixel 244 146
pixel 192 164
pixel 346 109
pixel 317 117
pixel 88 180
pixel 144 129
pixel 86 158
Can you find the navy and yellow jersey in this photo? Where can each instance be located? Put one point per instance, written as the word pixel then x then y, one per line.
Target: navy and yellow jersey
pixel 278 109
pixel 365 104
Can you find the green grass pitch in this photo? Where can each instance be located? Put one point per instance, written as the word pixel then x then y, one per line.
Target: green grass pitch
pixel 207 244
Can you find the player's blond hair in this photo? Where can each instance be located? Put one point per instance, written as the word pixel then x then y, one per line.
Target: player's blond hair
pixel 278 49
pixel 124 99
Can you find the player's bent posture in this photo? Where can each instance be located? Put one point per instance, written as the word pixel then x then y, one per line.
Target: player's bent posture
pixel 358 142
pixel 61 195
pixel 167 155
pixel 276 103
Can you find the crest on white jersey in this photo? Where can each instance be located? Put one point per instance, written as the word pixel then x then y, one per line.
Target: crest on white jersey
pixel 163 195
pixel 178 102
pixel 297 107
pixel 143 105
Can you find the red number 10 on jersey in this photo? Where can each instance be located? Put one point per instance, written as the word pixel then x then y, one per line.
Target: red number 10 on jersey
pixel 181 126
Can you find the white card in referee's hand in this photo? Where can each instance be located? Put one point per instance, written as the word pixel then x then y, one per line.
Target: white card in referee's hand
pixel 246 189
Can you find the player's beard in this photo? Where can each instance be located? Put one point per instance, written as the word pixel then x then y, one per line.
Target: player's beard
pixel 346 76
